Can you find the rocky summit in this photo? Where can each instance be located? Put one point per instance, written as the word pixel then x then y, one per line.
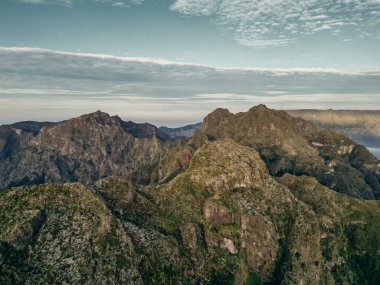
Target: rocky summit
pixel 295 146
pixel 258 197
pixel 82 149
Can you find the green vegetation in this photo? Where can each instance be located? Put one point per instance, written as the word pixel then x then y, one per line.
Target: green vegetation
pixel 253 279
pixel 224 220
pixel 61 233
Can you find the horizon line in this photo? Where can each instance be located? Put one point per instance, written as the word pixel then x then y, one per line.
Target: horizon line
pixel 126 119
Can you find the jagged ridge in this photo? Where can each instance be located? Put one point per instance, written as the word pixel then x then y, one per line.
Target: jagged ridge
pixel 82 149
pixel 295 146
pixel 224 220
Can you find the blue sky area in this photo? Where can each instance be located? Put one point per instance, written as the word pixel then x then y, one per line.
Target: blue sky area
pixel 173 61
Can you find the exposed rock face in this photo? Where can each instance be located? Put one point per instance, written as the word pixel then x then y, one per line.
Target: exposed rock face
pixel 223 207
pixel 225 220
pixel 231 220
pixel 82 149
pixel 97 145
pixel 295 146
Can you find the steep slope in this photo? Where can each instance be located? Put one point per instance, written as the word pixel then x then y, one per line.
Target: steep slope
pixel 295 146
pixel 349 240
pixel 224 220
pixel 97 145
pixel 62 234
pixel 161 260
pixel 82 149
pixel 227 221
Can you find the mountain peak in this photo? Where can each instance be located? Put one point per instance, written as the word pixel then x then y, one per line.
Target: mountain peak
pixel 214 118
pixel 220 111
pixel 99 114
pixel 293 145
pixel 265 112
pixel 259 107
pixel 101 118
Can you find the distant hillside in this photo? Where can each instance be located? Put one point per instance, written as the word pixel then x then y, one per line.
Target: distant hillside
pixel 181 132
pixel 361 126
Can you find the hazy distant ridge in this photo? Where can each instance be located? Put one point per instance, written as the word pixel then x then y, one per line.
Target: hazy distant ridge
pixel 359 125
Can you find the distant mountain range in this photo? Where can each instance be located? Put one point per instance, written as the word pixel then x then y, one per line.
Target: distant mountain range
pixel 257 197
pixel 97 145
pixel 361 126
pixel 181 132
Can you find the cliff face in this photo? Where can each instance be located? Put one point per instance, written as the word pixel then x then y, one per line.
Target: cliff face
pixel 82 149
pixel 238 222
pixel 295 146
pixel 225 220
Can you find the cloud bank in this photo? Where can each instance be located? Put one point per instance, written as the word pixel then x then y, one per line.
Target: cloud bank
pixel 48 85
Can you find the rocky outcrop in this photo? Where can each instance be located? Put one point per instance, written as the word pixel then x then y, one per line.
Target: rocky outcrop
pixel 84 149
pixel 224 220
pixel 277 231
pixel 57 234
pixel 95 146
pixel 295 146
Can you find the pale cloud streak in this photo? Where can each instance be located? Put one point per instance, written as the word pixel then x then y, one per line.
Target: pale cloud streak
pixel 49 85
pixel 116 3
pixel 163 62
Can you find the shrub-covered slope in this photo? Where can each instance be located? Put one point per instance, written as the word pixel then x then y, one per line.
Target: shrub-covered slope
pixel 225 220
pixel 62 234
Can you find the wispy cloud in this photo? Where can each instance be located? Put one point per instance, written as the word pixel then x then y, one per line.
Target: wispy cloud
pixel 116 3
pixel 163 62
pixel 49 85
pixel 271 23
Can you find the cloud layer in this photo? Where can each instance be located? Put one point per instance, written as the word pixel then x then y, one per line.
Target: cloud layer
pixel 116 3
pixel 272 23
pixel 47 85
pixel 268 23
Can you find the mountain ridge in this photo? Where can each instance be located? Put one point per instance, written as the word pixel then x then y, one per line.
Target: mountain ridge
pixel 296 146
pixel 81 149
pixel 240 202
pixel 97 145
pixel 223 220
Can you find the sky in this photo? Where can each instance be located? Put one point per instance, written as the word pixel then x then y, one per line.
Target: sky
pixel 173 61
